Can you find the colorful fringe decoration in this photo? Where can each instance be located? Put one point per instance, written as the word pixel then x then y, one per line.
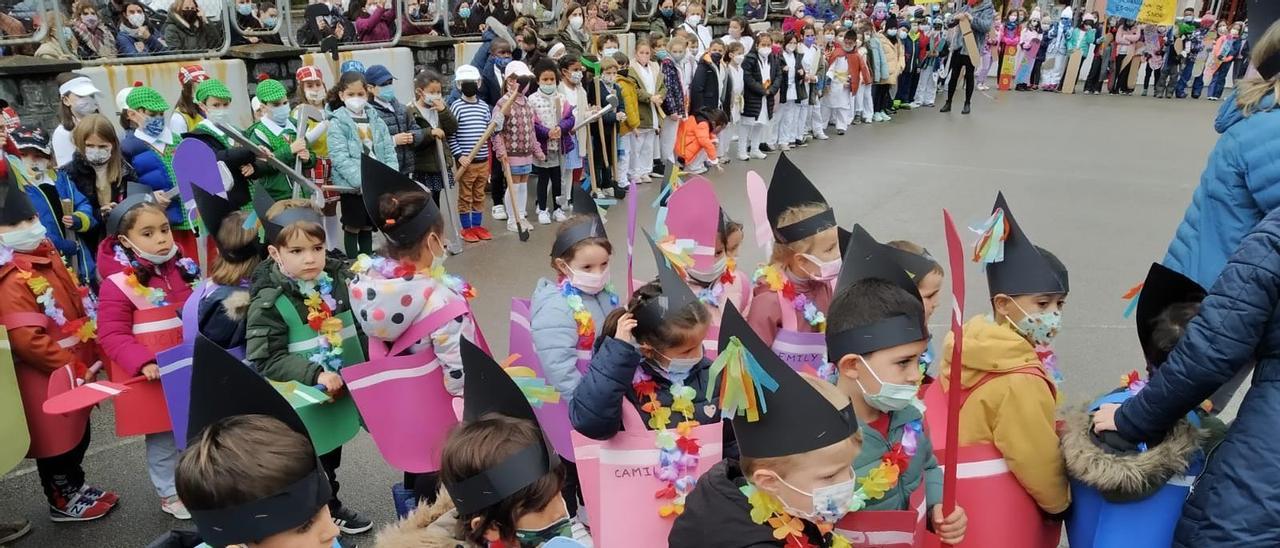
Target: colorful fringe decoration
pixel 318 296
pixel 535 388
pixel 1132 296
pixel 742 382
pixel 679 252
pixel 992 235
pixel 678 452
pixel 788 529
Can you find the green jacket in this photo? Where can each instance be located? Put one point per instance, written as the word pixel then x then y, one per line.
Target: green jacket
pixel 277 183
pixel 267 333
pixel 923 466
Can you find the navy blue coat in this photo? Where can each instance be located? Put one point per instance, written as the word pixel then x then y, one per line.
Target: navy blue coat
pixel 1236 501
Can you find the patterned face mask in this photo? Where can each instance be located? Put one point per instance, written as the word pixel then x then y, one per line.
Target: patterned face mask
pixel 1039 328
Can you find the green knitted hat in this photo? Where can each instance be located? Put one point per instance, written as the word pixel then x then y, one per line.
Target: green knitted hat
pixel 212 88
pixel 148 98
pixel 270 91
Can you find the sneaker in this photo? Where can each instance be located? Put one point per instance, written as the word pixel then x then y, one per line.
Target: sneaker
pixel 76 508
pixel 98 494
pixel 696 170
pixel 511 226
pixel 785 147
pixel 839 132
pixel 821 136
pixel 914 104
pixel 655 176
pixel 766 148
pixel 544 218
pixel 348 521
pixel 499 212
pixel 758 155
pixel 799 143
pixel 559 216
pixel 1213 98
pixel 482 233
pixel 742 157
pixel 174 507
pixel 13 530
pixel 469 235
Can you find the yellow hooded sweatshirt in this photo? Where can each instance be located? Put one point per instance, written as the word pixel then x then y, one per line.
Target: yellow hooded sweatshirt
pixel 1015 412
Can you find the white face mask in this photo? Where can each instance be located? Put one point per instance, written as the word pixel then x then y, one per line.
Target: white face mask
pixel 716 271
pixel 315 94
pixel 764 52
pixel 137 19
pixel 694 19
pixel 25 239
pixel 438 260
pixel 219 115
pixel 590 283
pixel 151 257
pixel 892 397
pixel 830 502
pixel 827 270
pixel 680 367
pixel 97 155
pixel 37 166
pixel 576 22
pixel 84 106
pixel 355 104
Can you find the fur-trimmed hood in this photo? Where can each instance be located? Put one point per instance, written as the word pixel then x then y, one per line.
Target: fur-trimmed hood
pixel 1124 477
pixel 426 527
pixel 236 304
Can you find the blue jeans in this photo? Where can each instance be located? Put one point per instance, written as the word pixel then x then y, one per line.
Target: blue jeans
pixel 1219 79
pixel 162 461
pixel 1183 79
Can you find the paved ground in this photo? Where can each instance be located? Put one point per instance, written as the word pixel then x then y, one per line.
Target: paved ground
pixel 1101 181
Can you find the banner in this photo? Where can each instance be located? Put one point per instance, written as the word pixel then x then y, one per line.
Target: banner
pixel 1155 12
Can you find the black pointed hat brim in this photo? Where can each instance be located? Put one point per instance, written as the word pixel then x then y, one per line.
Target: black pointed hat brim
pixel 796 418
pixel 1024 270
pixel 214 210
pixel 585 206
pixel 135 195
pixel 15 205
pixel 262 203
pixel 1163 288
pixel 378 180
pixel 790 188
pixel 865 258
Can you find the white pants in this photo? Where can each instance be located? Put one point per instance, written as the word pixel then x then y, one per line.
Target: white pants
pixel 759 134
pixel 740 130
pixel 162 461
pixel 863 106
pixel 817 122
pixel 927 89
pixel 622 164
pixel 668 151
pixel 1059 61
pixel 641 153
pixel 841 117
pixel 790 122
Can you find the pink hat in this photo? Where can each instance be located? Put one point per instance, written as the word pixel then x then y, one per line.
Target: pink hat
pixel 307 73
pixel 692 222
pixel 192 73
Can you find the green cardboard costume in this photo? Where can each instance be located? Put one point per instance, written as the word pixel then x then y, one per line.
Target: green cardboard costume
pixel 13 420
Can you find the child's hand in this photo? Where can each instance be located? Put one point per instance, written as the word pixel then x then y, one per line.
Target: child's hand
pixel 554 133
pixel 622 117
pixel 162 200
pixel 151 371
pixel 1105 417
pixel 437 133
pixel 298 146
pixel 331 381
pixel 403 138
pixel 463 162
pixel 950 529
pixel 67 221
pixel 625 325
pixel 246 170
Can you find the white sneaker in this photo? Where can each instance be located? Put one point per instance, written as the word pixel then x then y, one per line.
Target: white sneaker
pixel 511 226
pixel 655 176
pixel 544 218
pixel 559 215
pixel 174 507
pixel 758 155
pixel 785 147
pixel 499 213
pixel 821 136
pixel 914 104
pixel 742 157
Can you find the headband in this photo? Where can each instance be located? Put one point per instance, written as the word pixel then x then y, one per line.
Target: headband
pixel 259 519
pixel 886 333
pixel 577 233
pixel 518 471
pixel 795 232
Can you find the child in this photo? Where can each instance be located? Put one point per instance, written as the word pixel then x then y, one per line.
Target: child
pixel 701 245
pixel 793 291
pixel 759 81
pixel 145 282
pixel 553 124
pixel 868 51
pixel 214 97
pixel 1009 377
pixel 1112 478
pixel 651 92
pixel 629 105
pixel 676 79
pixel 186 113
pixel 738 33
pixel 47 190
pixel 877 333
pixel 847 73
pixel 473 117
pixel 934 47
pixel 354 130
pixel 927 275
pixel 149 149
pixel 275 132
pixel 565 313
pixel 705 90
pixel 699 34
pixel 249 457
pixel 815 68
pixel 98 171
pixel 311 117
pixel 503 479
pixel 794 480
pixel 698 139
pixel 42 349
pixel 79 100
pixel 413 258
pixel 404 130
pixel 738 129
pixel 651 348
pixel 299 282
pixel 516 144
pixel 602 131
pixel 437 123
pixel 792 94
pixel 224 299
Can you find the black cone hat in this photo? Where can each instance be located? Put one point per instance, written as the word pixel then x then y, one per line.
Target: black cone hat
pixel 865 259
pixel 916 265
pixel 214 210
pixel 262 203
pixel 675 292
pixel 583 205
pixel 790 188
pixel 1025 269
pixel 796 418
pixel 15 205
pixel 378 180
pixel 1162 288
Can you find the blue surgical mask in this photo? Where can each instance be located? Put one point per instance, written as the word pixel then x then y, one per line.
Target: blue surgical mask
pixel 269 22
pixel 679 368
pixel 464 12
pixel 892 397
pixel 501 62
pixel 1039 328
pixel 244 9
pixel 830 502
pixel 387 93
pixel 154 126
pixel 667 12
pixel 663 55
pixel 279 114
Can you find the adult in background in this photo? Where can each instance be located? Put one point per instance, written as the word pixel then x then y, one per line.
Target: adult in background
pixel 981 15
pixel 1238 186
pixel 91 37
pixel 189 30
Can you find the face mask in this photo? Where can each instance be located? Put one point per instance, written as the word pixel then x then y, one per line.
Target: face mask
pixel 680 367
pixel 438 260
pixel 891 33
pixel 315 94
pixel 549 89
pixel 694 19
pixel 677 56
pixel 764 51
pixel 154 126
pixel 791 48
pixel 810 40
pixel 431 98
pixel 830 502
pixel 682 7
pixel 588 282
pixel 244 9
pixel 830 37
pixel 735 33
pixel 575 77
pixel 532 539
pixel 827 270
pixel 219 115
pixel 469 89
pixel 279 114
pixel 90 20
pixel 97 155
pixel 712 275
pixel 269 22
pixel 576 21
pixel 1013 18
pixel 847 24
pixel 716 57
pixel 609 52
pixel 892 397
pixel 501 62
pixel 737 61
pixel 663 55
pixel 387 94
pixel 1039 328
pixel 37 166
pixel 25 239
pixel 667 12
pixel 84 106
pixel 152 258
pixel 137 19
pixel 464 12
pixel 355 104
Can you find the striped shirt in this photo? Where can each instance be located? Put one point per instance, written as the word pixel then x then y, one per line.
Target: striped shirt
pixel 473 119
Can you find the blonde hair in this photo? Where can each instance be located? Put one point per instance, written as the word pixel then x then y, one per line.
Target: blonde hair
pixel 1249 93
pixel 233 235
pixel 916 249
pixel 99 125
pixel 677 39
pixel 784 464
pixel 783 252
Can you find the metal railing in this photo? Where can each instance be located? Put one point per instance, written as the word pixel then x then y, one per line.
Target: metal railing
pixel 274 31
pixel 354 44
pixel 226 17
pixel 428 24
pixel 41 31
pixel 638 8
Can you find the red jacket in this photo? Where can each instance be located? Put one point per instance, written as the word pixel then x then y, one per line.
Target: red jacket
pixel 36 347
pixel 115 310
pixel 859 73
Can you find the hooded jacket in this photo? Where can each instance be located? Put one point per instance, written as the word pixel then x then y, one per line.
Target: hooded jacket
pixel 717 515
pixel 223 314
pixel 555 333
pixel 923 467
pixel 1015 412
pixel 85 178
pixel 436 526
pixel 400 119
pixel 345 146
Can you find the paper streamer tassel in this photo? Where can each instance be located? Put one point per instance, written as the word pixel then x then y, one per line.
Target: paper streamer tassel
pixel 535 389
pixel 1132 296
pixel 742 382
pixel 992 235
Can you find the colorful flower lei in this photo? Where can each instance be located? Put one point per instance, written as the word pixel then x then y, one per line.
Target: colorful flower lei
pixel 318 296
pixel 1132 383
pixel 190 267
pixel 710 295
pixel 767 509
pixel 678 451
pixel 730 266
pixel 153 295
pixel 85 328
pixel 581 316
pixel 895 461
pixel 772 278
pixel 390 269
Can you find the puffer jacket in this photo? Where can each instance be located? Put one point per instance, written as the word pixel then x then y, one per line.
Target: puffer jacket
pixel 223 315
pixel 401 120
pixel 436 526
pixel 718 515
pixel 555 333
pixel 82 174
pixel 1023 404
pixel 1237 189
pixel 153 169
pixel 115 312
pixel 345 146
pixel 1236 502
